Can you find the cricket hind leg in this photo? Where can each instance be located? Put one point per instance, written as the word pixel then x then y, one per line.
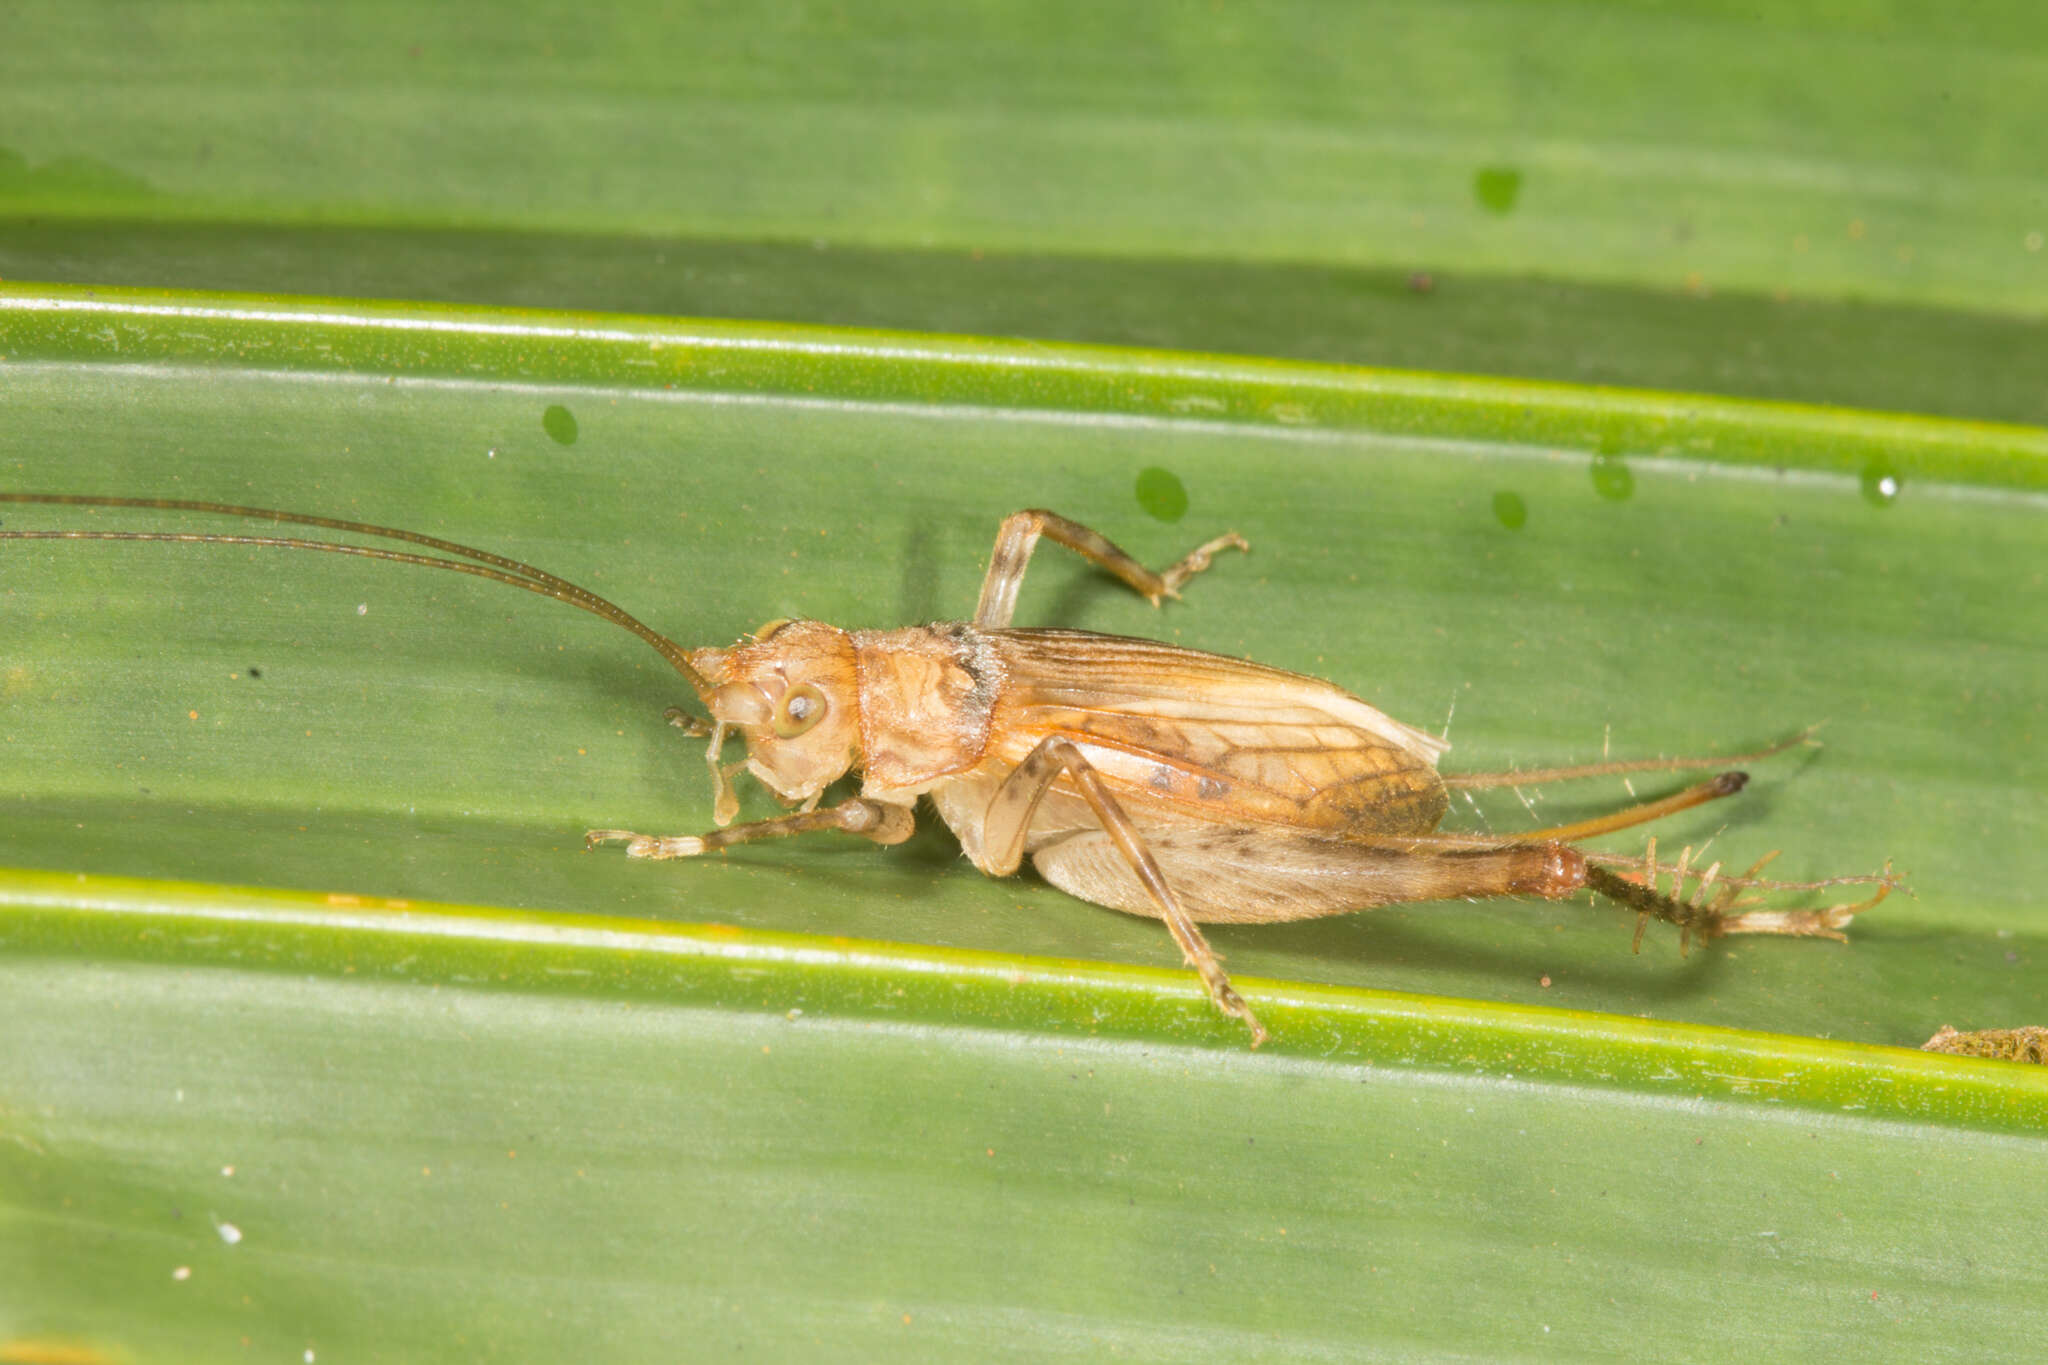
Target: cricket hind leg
pixel 1718 906
pixel 876 821
pixel 1019 536
pixel 1262 875
pixel 1699 915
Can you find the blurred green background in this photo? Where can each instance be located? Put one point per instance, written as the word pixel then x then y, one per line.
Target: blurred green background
pixel 1835 202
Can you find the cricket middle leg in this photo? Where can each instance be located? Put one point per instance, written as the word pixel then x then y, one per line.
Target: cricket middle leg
pixel 1008 822
pixel 1018 537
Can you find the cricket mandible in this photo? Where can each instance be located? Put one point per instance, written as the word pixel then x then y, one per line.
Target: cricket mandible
pixel 1190 787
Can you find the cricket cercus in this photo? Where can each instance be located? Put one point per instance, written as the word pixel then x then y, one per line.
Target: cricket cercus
pixel 1137 775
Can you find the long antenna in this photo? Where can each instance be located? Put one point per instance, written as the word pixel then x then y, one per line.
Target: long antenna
pixel 472 561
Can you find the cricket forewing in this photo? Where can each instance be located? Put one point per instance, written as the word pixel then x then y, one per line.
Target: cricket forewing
pixel 1134 774
pixel 1214 739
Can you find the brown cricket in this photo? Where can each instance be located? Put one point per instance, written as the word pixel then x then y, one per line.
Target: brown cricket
pixel 1161 781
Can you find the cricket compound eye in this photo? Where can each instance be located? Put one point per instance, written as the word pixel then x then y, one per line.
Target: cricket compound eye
pixel 802 707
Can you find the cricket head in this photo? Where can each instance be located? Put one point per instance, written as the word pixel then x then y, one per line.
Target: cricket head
pixel 791 691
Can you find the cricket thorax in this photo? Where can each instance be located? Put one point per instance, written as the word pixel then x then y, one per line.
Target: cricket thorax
pixel 926 695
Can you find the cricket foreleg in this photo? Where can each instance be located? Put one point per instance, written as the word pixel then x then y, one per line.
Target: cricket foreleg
pixel 1019 536
pixel 873 820
pixel 1008 822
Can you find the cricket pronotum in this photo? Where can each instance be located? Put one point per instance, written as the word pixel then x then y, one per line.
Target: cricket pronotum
pixel 1162 781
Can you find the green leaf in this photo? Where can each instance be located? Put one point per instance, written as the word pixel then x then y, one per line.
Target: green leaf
pixel 516 1094
pixel 321 1037
pixel 1835 203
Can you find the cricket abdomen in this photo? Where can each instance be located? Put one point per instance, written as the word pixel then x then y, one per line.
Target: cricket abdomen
pixel 1260 875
